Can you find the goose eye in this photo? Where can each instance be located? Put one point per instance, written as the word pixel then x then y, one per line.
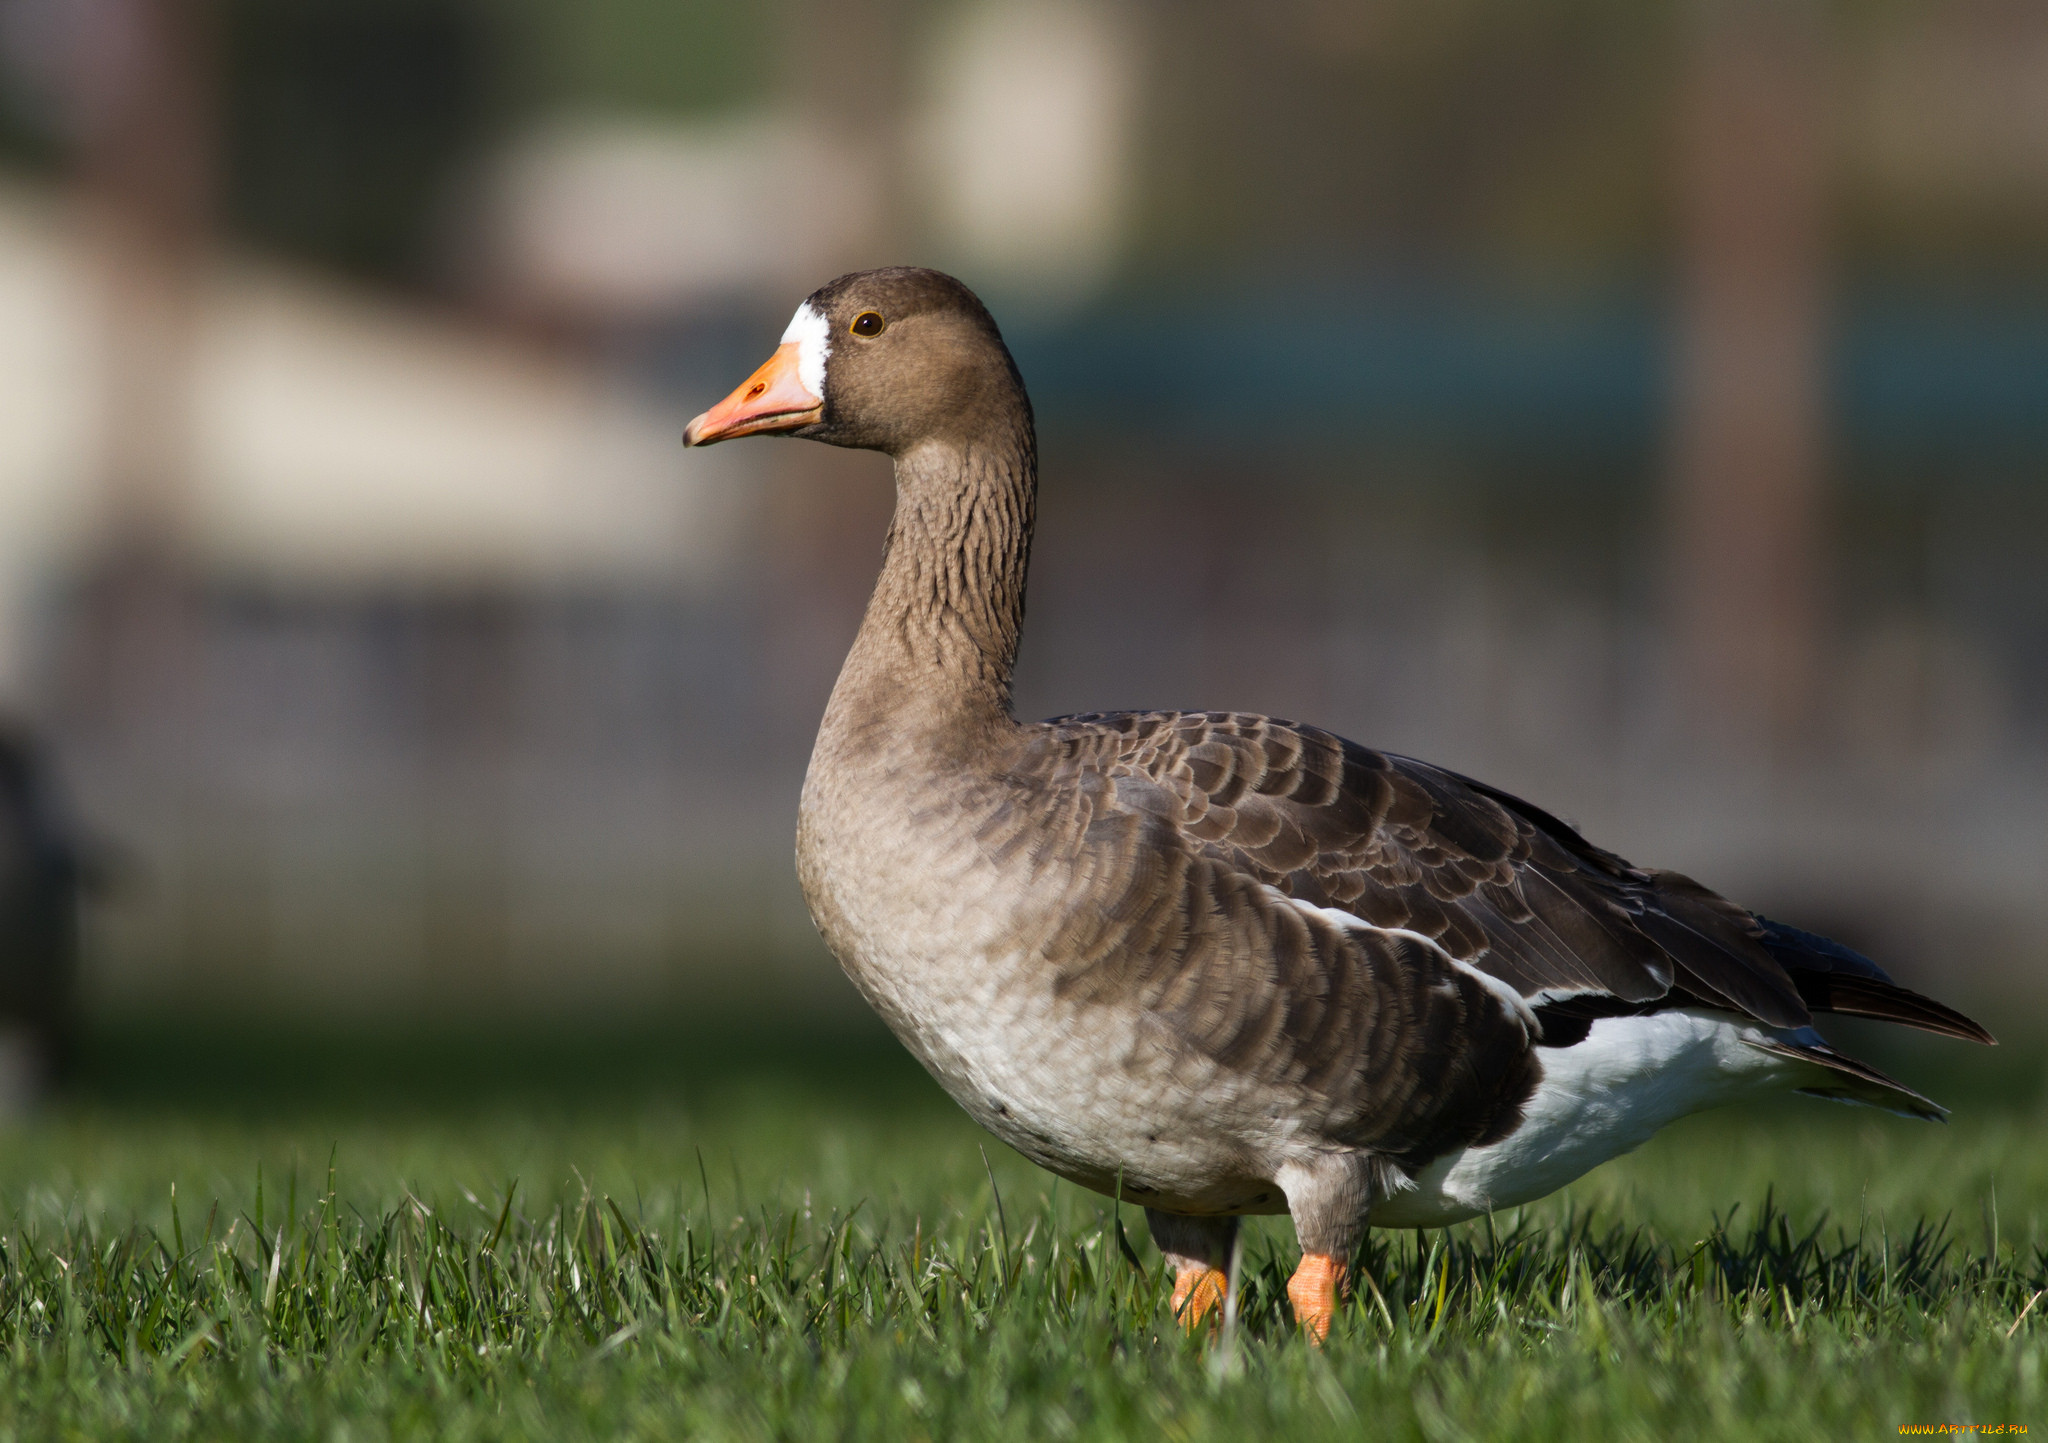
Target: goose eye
pixel 868 323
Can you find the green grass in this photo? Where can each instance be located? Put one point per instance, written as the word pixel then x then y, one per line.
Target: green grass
pixel 720 1235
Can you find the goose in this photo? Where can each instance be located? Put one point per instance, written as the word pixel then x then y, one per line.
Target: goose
pixel 1222 964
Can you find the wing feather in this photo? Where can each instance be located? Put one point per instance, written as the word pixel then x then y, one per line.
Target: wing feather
pixel 1495 881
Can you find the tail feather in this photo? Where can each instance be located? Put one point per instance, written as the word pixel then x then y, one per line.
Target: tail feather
pixel 1842 1078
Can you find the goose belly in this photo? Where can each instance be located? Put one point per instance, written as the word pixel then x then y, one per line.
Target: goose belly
pixel 1087 1092
pixel 1597 1100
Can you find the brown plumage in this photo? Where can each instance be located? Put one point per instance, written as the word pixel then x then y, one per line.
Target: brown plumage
pixel 1226 963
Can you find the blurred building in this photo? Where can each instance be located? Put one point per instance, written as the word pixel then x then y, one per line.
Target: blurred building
pixel 1637 406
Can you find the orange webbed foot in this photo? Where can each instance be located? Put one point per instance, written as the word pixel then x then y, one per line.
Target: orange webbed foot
pixel 1314 1290
pixel 1197 1291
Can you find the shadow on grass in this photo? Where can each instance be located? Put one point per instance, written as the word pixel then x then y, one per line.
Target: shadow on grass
pixel 279 1066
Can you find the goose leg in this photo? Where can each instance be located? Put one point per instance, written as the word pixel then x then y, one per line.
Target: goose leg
pixel 1199 1250
pixel 1329 1196
pixel 1317 1284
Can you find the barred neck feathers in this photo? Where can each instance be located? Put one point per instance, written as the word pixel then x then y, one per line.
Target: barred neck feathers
pixel 939 640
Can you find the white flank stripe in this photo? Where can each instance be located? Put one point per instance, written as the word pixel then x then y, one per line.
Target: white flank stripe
pixel 1516 1004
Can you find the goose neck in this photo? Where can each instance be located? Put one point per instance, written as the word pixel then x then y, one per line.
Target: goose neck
pixel 939 641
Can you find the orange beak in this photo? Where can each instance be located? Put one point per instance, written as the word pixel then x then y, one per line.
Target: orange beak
pixel 772 399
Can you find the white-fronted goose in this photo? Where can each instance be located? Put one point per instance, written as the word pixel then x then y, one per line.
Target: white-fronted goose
pixel 1222 963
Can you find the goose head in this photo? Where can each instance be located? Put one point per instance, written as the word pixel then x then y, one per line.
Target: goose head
pixel 883 360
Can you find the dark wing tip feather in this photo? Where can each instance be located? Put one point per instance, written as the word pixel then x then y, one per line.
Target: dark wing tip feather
pixel 1887 1002
pixel 1811 952
pixel 1834 978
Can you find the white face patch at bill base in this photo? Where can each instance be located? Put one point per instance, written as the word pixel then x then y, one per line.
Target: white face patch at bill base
pixel 812 336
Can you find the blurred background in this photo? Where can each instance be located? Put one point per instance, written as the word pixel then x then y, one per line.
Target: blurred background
pixel 1643 407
